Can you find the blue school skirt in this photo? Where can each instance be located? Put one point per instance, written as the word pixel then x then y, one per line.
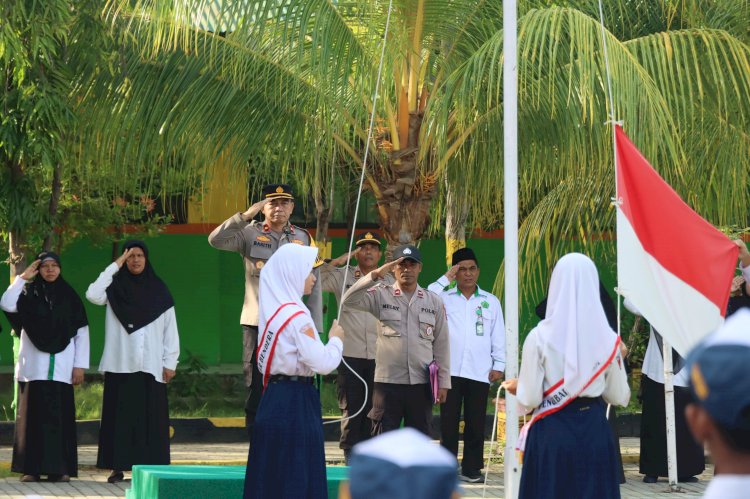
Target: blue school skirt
pixel 571 454
pixel 287 456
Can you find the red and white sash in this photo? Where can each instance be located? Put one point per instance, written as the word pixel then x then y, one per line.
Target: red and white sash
pixel 267 341
pixel 559 395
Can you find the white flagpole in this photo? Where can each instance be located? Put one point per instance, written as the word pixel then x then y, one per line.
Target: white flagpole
pixel 512 475
pixel 669 406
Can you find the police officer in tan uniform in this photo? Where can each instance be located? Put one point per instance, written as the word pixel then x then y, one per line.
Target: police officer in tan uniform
pixel 360 341
pixel 414 332
pixel 256 242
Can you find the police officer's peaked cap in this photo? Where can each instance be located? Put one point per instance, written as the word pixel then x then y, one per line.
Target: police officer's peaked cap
pixel 274 191
pixel 408 252
pixel 368 237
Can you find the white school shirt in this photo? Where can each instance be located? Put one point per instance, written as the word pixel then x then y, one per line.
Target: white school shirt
pixel 653 361
pixel 473 356
pixel 33 364
pixel 149 349
pixel 541 367
pixel 300 351
pixel 728 487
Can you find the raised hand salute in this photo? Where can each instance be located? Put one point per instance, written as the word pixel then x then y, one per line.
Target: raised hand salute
pixel 386 269
pixel 31 271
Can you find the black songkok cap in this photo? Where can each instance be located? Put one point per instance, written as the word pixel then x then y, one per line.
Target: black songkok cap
pixel 274 191
pixel 464 254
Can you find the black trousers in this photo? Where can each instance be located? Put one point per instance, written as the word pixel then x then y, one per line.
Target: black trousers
pixel 392 403
pixel 351 395
pixel 472 396
pixel 253 378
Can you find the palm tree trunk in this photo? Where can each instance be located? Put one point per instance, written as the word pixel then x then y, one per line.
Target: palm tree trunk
pixel 54 203
pixel 456 214
pixel 323 212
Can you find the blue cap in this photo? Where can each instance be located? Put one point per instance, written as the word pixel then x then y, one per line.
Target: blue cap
pixel 719 368
pixel 402 464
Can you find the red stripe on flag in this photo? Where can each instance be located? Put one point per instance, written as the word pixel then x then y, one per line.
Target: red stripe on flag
pixel 681 241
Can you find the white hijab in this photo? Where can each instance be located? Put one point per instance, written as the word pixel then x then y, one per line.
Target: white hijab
pixel 575 324
pixel 576 327
pixel 282 280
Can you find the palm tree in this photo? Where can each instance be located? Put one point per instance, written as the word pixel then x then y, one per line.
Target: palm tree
pixel 283 80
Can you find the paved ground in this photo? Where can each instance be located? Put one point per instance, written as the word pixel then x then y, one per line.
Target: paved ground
pixel 91 482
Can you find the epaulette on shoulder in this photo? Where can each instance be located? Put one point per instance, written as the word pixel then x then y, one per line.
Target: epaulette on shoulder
pixel 309 236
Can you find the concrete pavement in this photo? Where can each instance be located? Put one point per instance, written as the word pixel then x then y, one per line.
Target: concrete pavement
pixel 91 483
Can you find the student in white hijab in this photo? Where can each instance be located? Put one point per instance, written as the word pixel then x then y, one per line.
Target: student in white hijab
pixel 570 368
pixel 288 431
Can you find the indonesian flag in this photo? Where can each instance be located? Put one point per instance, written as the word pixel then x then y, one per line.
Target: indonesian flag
pixel 674 266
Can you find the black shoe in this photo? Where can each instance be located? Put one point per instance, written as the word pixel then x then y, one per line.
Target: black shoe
pixel 687 479
pixel 650 479
pixel 116 476
pixel 58 478
pixel 471 476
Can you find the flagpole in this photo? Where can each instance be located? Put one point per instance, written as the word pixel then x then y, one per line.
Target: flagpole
pixel 512 475
pixel 670 415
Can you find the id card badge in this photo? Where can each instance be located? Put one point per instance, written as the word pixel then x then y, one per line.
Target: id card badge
pixel 480 322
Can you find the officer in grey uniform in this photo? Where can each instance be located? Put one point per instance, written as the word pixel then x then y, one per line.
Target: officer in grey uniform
pixel 256 242
pixel 360 340
pixel 414 332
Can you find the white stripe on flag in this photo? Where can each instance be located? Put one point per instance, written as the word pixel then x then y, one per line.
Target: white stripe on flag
pixel 674 308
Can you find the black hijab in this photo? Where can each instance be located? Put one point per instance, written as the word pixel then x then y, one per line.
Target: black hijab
pixel 51 313
pixel 138 300
pixel 738 302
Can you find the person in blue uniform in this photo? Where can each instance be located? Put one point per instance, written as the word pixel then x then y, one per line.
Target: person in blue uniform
pixel 287 455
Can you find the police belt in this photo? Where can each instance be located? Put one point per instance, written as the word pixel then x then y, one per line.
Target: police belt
pixel 275 378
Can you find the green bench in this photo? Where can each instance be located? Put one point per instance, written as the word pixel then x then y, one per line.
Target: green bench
pixel 204 482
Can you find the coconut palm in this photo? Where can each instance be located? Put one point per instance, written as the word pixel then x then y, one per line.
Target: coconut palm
pixel 282 82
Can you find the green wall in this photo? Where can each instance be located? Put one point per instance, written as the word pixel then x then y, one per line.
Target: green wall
pixel 208 287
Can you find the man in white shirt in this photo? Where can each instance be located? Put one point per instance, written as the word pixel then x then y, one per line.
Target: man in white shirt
pixel 719 416
pixel 477 340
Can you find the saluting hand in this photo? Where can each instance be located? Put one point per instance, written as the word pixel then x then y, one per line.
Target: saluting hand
pixel 167 374
pixel 451 274
pixel 122 258
pixel 386 269
pixel 31 271
pixel 344 258
pixel 254 210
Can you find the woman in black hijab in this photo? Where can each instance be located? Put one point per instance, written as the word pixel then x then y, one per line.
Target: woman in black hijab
pixel 141 347
pixel 53 356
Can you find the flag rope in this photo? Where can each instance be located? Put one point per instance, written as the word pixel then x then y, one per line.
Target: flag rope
pixel 356 207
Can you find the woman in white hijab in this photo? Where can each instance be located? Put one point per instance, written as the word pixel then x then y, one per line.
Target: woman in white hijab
pixel 571 366
pixel 287 458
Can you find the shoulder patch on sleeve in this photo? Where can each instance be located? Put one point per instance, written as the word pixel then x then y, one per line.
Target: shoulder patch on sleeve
pixel 308 330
